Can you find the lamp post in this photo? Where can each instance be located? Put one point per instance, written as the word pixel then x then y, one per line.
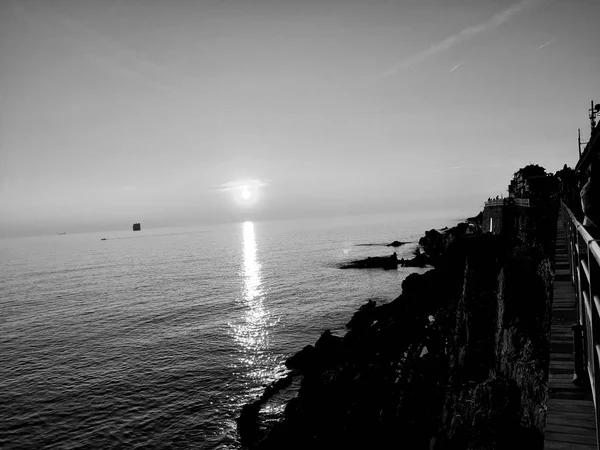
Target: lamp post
pixel 594 111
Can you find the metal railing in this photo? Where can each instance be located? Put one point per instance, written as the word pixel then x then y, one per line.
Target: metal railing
pixel 584 261
pixel 495 202
pixel 508 200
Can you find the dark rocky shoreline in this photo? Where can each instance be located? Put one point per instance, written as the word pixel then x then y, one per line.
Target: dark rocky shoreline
pixel 458 361
pixel 391 262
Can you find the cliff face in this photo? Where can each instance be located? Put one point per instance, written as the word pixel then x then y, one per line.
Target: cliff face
pixel 498 364
pixel 459 360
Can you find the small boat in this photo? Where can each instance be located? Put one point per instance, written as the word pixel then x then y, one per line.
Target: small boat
pixel 61 234
pixel 103 239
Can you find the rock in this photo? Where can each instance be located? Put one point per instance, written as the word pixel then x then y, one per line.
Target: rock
pixel 328 344
pixel 436 245
pixel 302 360
pixel 247 424
pixel 420 260
pixel 392 244
pixel 275 387
pixel 365 315
pixel 478 219
pixel 432 240
pixel 383 262
pixel 326 351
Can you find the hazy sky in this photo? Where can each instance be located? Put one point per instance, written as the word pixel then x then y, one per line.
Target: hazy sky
pixel 113 112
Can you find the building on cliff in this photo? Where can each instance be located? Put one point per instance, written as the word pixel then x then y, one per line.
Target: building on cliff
pixel 532 183
pixel 501 216
pixel 137 227
pixel 530 189
pixel 522 183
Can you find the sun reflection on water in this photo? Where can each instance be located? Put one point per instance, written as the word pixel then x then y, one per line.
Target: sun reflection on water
pixel 251 328
pixel 251 267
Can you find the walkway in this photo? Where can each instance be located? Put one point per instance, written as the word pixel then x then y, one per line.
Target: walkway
pixel 570 422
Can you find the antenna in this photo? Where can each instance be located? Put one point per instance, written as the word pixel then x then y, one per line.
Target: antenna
pixel 579 140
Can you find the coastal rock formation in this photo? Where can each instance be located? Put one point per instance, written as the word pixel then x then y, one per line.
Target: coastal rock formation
pixel 458 361
pixel 396 244
pixel 419 260
pixel 248 422
pixel 391 244
pixel 383 262
pixel 477 220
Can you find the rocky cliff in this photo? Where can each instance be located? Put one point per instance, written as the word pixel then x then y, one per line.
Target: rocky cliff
pixel 458 361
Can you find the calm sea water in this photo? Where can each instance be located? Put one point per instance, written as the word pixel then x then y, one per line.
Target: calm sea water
pixel 155 339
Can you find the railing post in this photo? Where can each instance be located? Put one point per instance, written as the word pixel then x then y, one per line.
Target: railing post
pixel 593 269
pixel 579 376
pixel 581 280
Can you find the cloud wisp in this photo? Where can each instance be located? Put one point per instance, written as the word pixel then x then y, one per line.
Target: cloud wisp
pixel 462 36
pixel 234 185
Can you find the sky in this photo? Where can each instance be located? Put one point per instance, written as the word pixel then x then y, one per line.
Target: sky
pixel 189 112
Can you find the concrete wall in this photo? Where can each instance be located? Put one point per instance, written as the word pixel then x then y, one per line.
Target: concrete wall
pixel 493 218
pixel 507 219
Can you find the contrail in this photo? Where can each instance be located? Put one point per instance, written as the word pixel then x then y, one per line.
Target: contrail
pixel 462 36
pixel 455 67
pixel 547 43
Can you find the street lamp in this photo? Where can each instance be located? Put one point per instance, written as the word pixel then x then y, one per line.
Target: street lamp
pixel 594 111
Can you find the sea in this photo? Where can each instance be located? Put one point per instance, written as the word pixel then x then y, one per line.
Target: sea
pixel 156 339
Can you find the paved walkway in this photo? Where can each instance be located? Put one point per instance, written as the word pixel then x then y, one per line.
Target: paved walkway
pixel 570 422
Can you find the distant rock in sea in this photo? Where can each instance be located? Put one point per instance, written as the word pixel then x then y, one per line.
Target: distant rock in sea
pixel 383 262
pixel 392 244
pixel 396 244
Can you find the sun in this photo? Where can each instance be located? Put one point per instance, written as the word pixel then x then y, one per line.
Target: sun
pixel 245 193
